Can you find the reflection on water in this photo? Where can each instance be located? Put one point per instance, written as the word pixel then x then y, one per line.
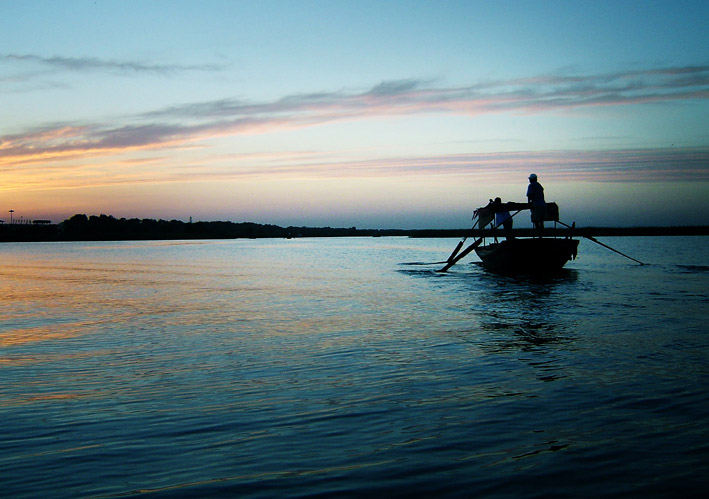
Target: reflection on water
pixel 528 318
pixel 329 367
pixel 528 312
pixel 520 312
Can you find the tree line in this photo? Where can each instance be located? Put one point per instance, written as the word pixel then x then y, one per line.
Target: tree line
pixel 81 227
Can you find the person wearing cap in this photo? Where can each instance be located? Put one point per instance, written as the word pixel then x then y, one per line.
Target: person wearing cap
pixel 535 196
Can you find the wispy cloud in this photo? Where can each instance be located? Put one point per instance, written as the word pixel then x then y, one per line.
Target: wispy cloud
pixel 537 94
pixel 190 123
pixel 96 64
pixel 621 165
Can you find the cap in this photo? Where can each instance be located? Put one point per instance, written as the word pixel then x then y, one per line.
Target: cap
pixel 533 176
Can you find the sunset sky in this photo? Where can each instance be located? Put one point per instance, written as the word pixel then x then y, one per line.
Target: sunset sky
pixel 375 114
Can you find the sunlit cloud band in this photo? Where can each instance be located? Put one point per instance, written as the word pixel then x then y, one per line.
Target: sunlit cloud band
pixel 191 124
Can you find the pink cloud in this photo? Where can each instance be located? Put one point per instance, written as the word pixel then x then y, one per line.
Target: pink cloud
pixel 188 124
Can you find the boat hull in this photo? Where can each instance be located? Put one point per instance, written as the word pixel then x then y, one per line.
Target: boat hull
pixel 528 256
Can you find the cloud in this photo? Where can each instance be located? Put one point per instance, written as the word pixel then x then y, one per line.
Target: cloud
pixel 393 88
pixel 620 165
pixel 536 94
pixel 687 165
pixel 95 64
pixel 188 124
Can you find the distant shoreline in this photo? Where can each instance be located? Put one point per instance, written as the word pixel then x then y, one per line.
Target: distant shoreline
pixel 108 228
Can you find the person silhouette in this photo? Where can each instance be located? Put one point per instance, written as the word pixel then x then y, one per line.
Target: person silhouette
pixel 535 197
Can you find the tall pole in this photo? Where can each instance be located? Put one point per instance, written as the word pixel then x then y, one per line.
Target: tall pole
pixel 11 212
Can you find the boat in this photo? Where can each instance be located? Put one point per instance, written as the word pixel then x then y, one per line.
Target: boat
pixel 538 255
pixel 518 255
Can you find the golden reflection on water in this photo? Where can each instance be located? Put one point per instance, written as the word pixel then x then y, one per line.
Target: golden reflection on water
pixel 36 398
pixel 21 336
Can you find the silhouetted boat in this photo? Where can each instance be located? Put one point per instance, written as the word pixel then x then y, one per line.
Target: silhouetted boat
pixel 532 255
pixel 528 256
pixel 537 255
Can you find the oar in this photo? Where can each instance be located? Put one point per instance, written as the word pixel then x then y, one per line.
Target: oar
pixel 463 254
pixel 461 242
pixel 455 257
pixel 451 259
pixel 591 238
pixel 457 249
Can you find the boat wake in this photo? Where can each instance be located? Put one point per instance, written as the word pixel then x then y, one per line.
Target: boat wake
pixel 419 272
pixel 423 263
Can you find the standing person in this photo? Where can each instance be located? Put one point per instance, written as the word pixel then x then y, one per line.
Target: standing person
pixel 535 196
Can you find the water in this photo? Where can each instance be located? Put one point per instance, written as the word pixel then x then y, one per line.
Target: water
pixel 321 367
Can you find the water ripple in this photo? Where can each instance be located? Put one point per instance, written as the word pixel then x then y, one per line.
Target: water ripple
pixel 321 368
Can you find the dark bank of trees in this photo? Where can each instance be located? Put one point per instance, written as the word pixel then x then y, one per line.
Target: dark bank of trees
pixel 109 228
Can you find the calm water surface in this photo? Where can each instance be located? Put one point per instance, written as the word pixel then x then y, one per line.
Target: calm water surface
pixel 307 367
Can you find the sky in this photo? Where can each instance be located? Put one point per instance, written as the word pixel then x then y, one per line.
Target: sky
pixel 374 114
